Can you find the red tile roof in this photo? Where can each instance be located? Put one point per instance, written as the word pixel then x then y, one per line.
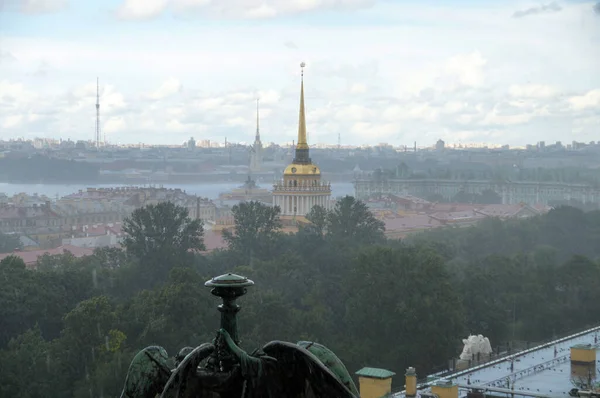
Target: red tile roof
pixel 30 257
pixel 213 240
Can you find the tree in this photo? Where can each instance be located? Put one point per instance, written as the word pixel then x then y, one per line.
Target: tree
pixel 27 367
pixel 10 243
pixel 256 227
pixel 90 339
pixel 489 197
pixel 318 219
pixel 403 295
pixel 160 237
pixel 351 219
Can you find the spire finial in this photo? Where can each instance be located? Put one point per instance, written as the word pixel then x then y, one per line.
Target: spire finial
pixel 302 144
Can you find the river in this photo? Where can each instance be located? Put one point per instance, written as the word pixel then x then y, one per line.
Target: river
pixel 207 190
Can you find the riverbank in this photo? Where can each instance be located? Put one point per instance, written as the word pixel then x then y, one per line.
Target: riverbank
pixel 207 190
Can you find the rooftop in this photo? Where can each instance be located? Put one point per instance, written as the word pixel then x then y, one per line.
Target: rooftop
pixel 543 371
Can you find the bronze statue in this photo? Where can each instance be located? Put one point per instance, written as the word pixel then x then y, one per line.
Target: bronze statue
pixel 222 369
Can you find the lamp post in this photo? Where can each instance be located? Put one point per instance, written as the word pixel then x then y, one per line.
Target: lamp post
pixel 229 287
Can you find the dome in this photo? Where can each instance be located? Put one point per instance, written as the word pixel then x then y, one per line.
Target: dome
pixel 302 169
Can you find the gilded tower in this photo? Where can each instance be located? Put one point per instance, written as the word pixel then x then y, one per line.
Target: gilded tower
pixel 256 152
pixel 301 187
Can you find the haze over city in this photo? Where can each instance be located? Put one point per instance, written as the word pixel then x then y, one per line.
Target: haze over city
pixel 377 71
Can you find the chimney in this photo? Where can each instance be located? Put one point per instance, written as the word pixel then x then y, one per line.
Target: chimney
pixel 375 383
pixel 445 389
pixel 583 354
pixel 411 382
pixel 583 361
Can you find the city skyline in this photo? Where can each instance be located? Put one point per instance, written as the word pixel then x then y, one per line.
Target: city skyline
pixel 377 71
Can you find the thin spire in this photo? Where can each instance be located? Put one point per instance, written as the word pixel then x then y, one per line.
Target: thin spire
pixel 302 143
pixel 257 138
pixel 97 113
pixel 302 156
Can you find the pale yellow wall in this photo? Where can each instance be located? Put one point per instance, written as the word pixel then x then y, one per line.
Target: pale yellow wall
pixel 374 388
pixel 445 391
pixel 583 355
pixel 411 385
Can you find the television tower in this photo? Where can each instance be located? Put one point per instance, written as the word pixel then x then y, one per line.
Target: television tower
pixel 97 114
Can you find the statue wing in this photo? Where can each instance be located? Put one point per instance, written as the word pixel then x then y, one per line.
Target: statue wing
pixel 147 374
pixel 332 362
pixel 299 373
pixel 184 379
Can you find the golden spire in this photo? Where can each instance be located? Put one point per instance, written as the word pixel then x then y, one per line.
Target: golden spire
pixel 302 143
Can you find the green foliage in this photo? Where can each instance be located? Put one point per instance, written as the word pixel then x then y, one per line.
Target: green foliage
pixel 318 219
pixel 256 228
pixel 351 219
pixel 27 367
pixel 9 243
pixel 161 237
pixel 402 292
pixel 70 328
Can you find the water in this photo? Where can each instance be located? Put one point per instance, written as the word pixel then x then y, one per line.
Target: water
pixel 207 190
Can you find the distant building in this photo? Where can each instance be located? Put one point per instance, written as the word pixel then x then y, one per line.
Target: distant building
pixel 440 145
pixel 191 144
pixel 96 235
pixel 301 187
pixel 248 191
pixel 511 192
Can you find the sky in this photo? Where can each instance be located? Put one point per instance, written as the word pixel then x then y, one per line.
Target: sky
pixel 377 71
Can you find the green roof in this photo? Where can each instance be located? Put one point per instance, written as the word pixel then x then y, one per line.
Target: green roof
pixel 375 373
pixel 583 346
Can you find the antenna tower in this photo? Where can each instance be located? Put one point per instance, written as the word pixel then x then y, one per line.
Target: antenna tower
pixel 97 114
pixel 339 141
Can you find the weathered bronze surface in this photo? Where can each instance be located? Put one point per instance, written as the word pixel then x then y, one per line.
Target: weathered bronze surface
pixel 222 369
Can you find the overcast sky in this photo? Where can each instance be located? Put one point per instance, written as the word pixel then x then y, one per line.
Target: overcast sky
pixel 394 71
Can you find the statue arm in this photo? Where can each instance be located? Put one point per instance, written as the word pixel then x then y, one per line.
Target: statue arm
pixel 250 366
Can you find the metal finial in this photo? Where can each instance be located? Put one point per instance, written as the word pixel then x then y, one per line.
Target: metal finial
pixel 302 65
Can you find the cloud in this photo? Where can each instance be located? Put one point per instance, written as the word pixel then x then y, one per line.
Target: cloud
pixel 401 72
pixel 141 9
pixel 245 9
pixel 542 9
pixel 170 87
pixel 7 58
pixel 291 45
pixel 590 100
pixel 35 6
pixel 42 70
pixel 532 91
pixel 468 113
pixel 597 8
